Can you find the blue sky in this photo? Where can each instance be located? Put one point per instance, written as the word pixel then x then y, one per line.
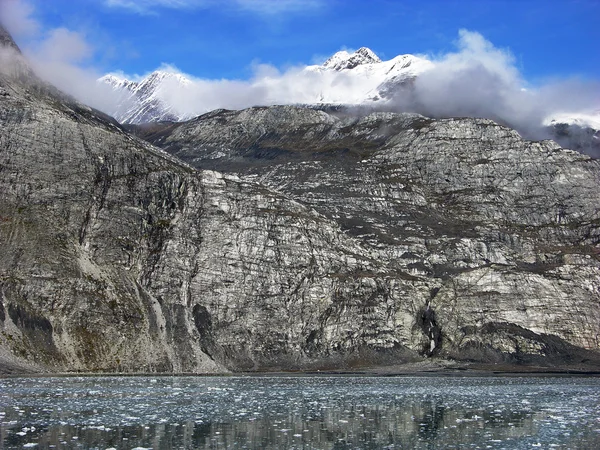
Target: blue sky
pixel 224 38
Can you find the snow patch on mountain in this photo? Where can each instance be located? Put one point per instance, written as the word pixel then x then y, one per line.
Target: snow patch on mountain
pixel 583 120
pixel 344 60
pixel 147 100
pixel 375 80
pixel 360 77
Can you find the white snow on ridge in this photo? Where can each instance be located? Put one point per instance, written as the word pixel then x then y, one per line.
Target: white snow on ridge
pixel 360 77
pixel 372 76
pixel 144 100
pixel 584 120
pixel 344 60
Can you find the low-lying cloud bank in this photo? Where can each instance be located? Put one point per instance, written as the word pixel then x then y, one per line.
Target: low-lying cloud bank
pixel 477 80
pixel 480 80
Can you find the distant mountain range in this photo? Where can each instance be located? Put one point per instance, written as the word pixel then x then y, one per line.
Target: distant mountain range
pixel 145 100
pixel 356 78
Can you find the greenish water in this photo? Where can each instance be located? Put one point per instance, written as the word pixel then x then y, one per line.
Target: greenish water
pixel 300 412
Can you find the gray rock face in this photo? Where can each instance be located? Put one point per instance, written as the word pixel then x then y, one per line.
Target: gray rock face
pixel 118 257
pixel 483 245
pixel 341 242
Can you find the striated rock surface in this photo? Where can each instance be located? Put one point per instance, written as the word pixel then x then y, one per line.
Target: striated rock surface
pixel 118 257
pixel 492 240
pixel 335 241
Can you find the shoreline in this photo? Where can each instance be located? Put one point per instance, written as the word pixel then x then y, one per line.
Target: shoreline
pixel 401 370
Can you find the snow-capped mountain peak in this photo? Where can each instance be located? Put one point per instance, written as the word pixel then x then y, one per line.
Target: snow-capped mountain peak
pixel 362 77
pixel 346 78
pixel 117 83
pixel 145 100
pixel 344 60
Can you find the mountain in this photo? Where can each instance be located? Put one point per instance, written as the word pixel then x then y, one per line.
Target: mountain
pixel 118 257
pixel 359 79
pixel 348 79
pixel 377 80
pixel 343 60
pixel 151 99
pixel 337 240
pixel 146 100
pixel 488 244
pixel 577 131
pixel 113 250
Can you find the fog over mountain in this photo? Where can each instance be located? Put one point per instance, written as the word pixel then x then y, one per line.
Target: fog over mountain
pixel 478 79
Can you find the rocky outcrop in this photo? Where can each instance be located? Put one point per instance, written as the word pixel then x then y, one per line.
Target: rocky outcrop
pixel 338 242
pixel 118 257
pixel 492 239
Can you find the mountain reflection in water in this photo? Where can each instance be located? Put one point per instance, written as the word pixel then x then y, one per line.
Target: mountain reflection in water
pixel 299 412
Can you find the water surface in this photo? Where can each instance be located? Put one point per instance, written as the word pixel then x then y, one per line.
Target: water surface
pixel 300 412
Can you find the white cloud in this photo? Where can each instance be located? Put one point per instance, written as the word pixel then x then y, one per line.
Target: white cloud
pixel 64 45
pixel 57 55
pixel 15 15
pixel 481 80
pixel 267 86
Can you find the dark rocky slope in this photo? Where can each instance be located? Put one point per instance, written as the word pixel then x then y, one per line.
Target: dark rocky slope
pixel 367 241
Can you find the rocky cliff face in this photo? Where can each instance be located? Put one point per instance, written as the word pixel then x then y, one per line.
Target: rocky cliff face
pixel 340 242
pixel 492 240
pixel 118 257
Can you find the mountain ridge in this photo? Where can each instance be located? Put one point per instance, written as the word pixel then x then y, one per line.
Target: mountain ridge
pixel 145 100
pixel 358 79
pixel 335 241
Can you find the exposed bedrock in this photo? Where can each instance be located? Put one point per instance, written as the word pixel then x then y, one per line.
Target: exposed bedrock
pixel 334 241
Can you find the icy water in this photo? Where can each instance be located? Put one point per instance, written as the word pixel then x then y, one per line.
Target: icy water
pixel 300 412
